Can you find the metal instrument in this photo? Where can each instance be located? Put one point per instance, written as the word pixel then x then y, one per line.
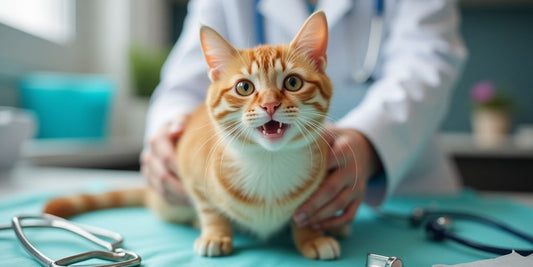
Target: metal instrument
pixel 117 256
pixel 375 260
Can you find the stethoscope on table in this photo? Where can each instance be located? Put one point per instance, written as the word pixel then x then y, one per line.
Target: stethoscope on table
pixel 438 227
pixel 112 252
pixel 364 73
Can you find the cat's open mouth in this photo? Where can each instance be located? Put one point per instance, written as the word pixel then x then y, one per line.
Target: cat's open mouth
pixel 273 129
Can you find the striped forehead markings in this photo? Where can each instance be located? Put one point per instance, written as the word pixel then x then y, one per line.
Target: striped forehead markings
pixel 279 66
pixel 259 70
pixel 255 68
pixel 264 59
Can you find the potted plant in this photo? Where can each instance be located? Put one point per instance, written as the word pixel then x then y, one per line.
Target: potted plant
pixel 145 68
pixel 491 116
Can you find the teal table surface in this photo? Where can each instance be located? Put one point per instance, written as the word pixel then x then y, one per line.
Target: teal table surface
pixel 163 244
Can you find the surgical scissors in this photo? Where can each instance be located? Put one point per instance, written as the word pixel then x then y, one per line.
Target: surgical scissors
pixel 113 253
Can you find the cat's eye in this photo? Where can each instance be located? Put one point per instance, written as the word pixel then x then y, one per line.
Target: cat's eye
pixel 293 83
pixel 244 88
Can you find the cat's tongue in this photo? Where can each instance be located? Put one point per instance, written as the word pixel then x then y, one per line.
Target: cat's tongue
pixel 273 129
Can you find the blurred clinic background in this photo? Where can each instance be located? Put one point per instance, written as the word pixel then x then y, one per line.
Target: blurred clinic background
pixel 76 76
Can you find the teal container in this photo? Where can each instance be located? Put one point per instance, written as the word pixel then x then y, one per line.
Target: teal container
pixel 68 105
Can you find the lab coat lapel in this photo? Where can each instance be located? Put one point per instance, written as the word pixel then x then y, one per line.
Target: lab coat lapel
pixel 334 10
pixel 293 13
pixel 287 14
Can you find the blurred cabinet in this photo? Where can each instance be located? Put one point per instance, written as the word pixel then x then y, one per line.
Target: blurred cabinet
pixel 508 167
pixel 495 2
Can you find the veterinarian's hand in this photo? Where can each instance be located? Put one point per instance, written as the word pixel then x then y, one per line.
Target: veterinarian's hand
pixel 158 162
pixel 352 160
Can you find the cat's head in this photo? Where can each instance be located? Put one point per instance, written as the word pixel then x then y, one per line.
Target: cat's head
pixel 270 96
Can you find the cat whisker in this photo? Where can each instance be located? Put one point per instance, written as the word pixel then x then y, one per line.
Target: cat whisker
pixel 319 114
pixel 241 131
pixel 244 132
pixel 302 129
pixel 205 125
pixel 323 130
pixel 230 141
pixel 219 133
pixel 354 155
pixel 320 130
pixel 220 141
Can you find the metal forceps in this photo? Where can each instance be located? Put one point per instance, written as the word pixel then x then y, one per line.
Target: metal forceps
pixel 117 256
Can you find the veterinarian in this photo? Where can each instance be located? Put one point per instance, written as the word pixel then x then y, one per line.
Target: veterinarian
pixel 393 65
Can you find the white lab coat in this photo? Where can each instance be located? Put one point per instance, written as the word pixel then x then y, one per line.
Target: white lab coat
pixel 400 112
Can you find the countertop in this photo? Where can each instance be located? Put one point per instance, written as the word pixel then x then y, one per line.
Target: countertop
pixel 27 178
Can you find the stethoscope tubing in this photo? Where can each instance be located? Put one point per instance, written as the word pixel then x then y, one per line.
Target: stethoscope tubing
pixel 436 230
pixel 486 248
pixel 482 219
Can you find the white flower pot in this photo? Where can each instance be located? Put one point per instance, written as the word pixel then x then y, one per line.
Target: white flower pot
pixel 490 127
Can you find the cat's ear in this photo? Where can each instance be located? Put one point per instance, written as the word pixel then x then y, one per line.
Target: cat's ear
pixel 217 51
pixel 312 39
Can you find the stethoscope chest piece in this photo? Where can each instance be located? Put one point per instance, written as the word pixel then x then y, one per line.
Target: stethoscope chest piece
pixel 375 260
pixel 436 229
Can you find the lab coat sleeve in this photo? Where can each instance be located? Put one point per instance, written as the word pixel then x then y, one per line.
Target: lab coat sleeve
pixel 184 79
pixel 421 58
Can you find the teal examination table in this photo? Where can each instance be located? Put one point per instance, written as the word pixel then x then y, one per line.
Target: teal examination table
pixel 163 244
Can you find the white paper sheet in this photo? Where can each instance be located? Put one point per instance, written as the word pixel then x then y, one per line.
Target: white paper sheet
pixel 514 259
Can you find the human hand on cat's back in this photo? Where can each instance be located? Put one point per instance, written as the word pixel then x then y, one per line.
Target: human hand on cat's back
pixel 158 161
pixel 352 161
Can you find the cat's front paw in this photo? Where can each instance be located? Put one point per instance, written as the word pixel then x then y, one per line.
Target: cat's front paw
pixel 342 231
pixel 213 246
pixel 321 248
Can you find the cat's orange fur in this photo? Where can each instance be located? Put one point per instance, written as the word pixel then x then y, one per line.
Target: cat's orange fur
pixel 250 159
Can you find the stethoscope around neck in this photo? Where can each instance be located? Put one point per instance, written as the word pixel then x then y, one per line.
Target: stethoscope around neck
pixel 364 72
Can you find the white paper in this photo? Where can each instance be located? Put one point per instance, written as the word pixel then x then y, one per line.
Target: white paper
pixel 513 259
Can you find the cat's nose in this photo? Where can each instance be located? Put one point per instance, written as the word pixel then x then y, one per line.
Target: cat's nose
pixel 270 107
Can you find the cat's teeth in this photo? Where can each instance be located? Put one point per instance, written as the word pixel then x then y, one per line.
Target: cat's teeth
pixel 280 125
pixel 264 128
pixel 279 130
pixel 264 132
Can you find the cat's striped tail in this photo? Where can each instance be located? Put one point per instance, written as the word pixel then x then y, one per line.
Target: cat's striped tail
pixel 73 205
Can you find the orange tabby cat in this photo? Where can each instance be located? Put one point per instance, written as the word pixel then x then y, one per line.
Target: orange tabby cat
pixel 253 153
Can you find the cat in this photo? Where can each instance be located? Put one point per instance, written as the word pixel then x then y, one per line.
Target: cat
pixel 253 152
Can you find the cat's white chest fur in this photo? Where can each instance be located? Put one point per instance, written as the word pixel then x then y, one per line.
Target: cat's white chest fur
pixel 271 178
pixel 271 175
